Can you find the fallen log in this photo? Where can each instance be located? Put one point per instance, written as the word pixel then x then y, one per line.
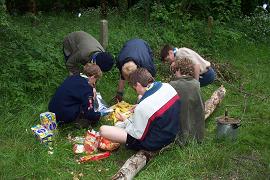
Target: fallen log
pixel 216 98
pixel 133 165
pixel 137 161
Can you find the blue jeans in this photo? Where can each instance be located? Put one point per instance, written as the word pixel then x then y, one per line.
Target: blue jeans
pixel 207 77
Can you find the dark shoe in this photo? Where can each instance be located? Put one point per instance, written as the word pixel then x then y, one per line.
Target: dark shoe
pixel 82 123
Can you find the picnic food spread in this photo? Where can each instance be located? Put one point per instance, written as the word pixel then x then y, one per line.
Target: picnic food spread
pixel 122 107
pixel 90 145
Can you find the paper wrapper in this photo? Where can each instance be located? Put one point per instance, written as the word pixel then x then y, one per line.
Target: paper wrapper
pixel 91 141
pixel 107 145
pixel 100 104
pixel 94 157
pixel 78 148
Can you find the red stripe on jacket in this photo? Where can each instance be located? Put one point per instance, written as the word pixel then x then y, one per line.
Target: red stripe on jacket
pixel 158 113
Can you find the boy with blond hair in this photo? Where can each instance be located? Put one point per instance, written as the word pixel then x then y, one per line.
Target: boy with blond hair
pixel 134 54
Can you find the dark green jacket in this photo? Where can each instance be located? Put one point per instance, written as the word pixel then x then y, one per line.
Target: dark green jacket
pixel 78 46
pixel 192 123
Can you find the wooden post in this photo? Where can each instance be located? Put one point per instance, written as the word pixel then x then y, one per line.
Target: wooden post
pixel 147 11
pixel 103 38
pixel 210 26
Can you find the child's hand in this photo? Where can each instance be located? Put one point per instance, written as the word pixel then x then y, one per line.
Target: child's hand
pixel 120 116
pixel 132 109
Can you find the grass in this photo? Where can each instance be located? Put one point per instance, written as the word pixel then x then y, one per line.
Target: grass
pixel 247 98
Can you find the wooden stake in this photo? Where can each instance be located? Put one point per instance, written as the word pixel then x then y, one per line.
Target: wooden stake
pixel 104 33
pixel 210 26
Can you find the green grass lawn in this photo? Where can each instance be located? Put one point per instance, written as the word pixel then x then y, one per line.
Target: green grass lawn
pixel 247 98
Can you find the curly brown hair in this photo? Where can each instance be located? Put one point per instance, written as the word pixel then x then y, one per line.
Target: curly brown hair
pixel 184 65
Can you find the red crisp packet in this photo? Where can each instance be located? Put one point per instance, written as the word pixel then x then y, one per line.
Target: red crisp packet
pixel 95 157
pixel 107 145
pixel 91 141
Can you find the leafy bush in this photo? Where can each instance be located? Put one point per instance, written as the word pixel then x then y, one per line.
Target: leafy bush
pixel 221 10
pixel 160 13
pixel 225 10
pixel 256 27
pixel 3 15
pixel 29 68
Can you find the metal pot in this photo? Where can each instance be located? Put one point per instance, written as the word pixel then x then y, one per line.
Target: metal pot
pixel 227 131
pixel 227 127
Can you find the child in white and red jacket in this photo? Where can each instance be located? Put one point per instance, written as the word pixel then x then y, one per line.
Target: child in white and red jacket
pixel 155 121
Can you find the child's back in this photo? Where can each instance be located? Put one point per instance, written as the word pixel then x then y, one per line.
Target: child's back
pixel 192 122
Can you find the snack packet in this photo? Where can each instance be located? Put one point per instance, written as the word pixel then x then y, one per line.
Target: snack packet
pixel 78 139
pixel 100 104
pixel 91 141
pixel 107 145
pixel 78 148
pixel 94 157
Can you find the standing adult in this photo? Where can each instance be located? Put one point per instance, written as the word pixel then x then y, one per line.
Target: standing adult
pixel 80 48
pixel 203 72
pixel 136 53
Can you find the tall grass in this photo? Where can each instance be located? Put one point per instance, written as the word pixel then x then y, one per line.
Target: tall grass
pixel 33 67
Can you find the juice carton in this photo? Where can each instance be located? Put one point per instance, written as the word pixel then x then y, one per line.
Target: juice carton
pixel 48 120
pixel 42 134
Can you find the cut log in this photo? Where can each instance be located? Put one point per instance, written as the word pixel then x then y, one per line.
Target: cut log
pixel 136 162
pixel 133 165
pixel 216 98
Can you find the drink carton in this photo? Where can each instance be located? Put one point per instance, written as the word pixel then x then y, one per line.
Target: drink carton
pixel 48 120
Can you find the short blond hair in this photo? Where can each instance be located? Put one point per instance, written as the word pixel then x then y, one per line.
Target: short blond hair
pixel 90 69
pixel 128 68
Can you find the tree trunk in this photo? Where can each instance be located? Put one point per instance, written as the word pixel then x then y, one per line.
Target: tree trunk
pixel 136 162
